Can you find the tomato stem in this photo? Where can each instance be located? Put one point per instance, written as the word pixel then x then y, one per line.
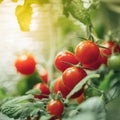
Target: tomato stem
pixel 103 47
pixel 100 91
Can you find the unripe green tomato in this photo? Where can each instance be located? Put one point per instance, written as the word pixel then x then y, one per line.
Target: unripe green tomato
pixel 114 62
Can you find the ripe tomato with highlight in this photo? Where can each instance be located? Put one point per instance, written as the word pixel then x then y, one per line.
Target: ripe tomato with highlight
pixel 25 64
pixel 87 52
pixel 95 65
pixel 55 107
pixel 64 59
pixel 72 76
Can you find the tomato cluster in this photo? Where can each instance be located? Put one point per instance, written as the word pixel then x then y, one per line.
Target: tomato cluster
pixel 72 65
pixel 25 64
pixel 66 62
pixel 88 56
pixel 73 68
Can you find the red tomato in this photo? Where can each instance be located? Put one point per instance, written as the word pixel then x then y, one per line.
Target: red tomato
pixel 80 99
pixel 55 107
pixel 25 64
pixel 77 94
pixel 43 75
pixel 87 52
pixel 104 59
pixel 95 65
pixel 43 89
pixel 60 87
pixel 105 53
pixel 110 45
pixel 72 76
pixel 64 59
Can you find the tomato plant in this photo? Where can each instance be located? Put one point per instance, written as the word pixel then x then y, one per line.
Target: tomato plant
pixel 72 76
pixel 81 80
pixel 55 107
pixel 114 62
pixel 44 90
pixel 64 59
pixel 25 64
pixel 87 52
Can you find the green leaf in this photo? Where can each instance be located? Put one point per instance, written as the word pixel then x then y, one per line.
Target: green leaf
pixel 24 15
pixel 113 109
pixel 105 84
pixel 4 117
pixel 78 11
pixel 81 84
pixel 46 117
pixel 34 92
pixel 22 107
pixel 82 116
pixel 92 109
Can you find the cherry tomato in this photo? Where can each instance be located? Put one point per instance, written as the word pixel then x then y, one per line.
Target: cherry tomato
pixel 60 87
pixel 95 65
pixel 110 45
pixel 87 52
pixel 25 64
pixel 64 59
pixel 73 75
pixel 55 107
pixel 114 62
pixel 44 75
pixel 80 99
pixel 77 94
pixel 44 90
pixel 104 59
